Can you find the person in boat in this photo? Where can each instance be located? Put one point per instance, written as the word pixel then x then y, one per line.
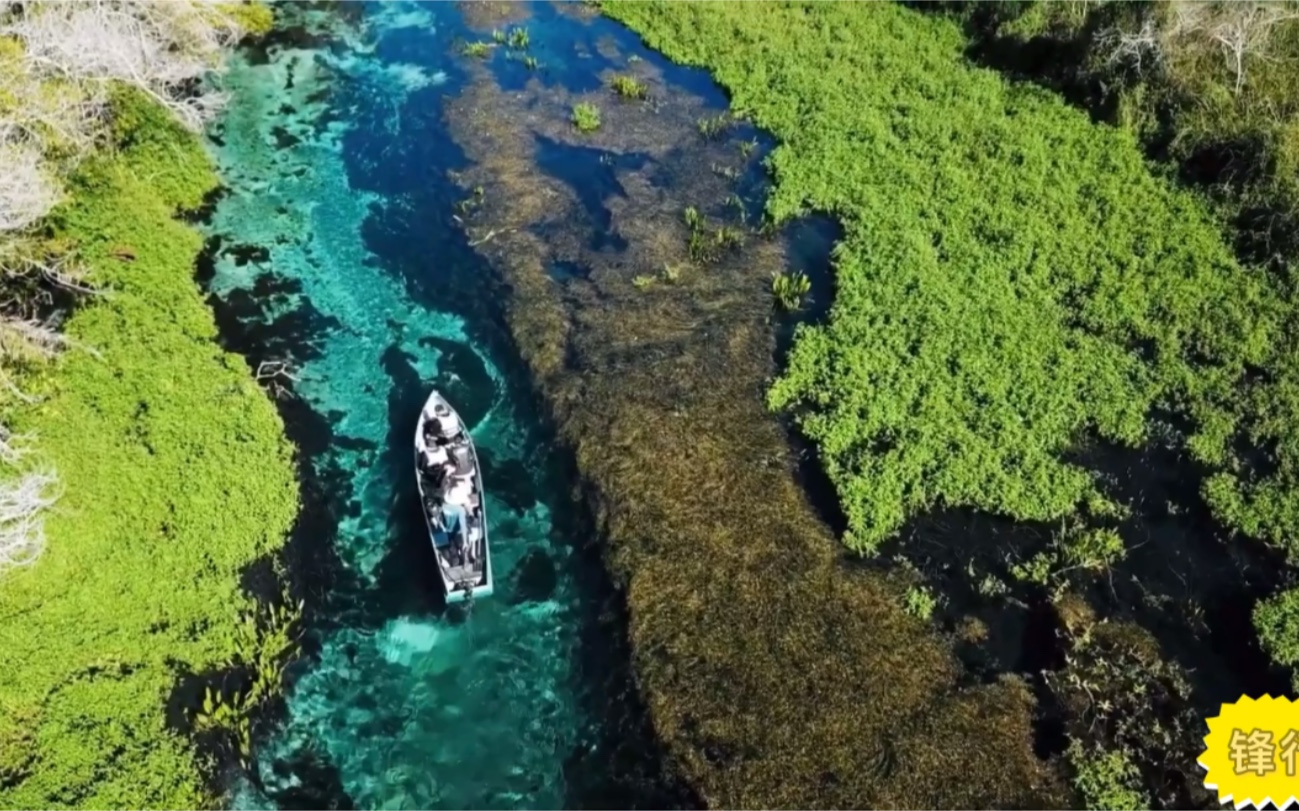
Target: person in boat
pixel 432 457
pixel 443 423
pixel 456 500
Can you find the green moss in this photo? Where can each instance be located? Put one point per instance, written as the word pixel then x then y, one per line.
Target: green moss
pixel 1012 276
pixel 177 475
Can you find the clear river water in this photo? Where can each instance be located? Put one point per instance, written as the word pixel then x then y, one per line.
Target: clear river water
pixel 333 249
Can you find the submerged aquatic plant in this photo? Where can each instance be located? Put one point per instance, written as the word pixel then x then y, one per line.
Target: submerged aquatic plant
pixel 629 87
pixel 479 49
pixel 531 63
pixel 791 289
pixel 642 281
pixel 518 38
pixel 713 126
pixel 692 217
pixel 499 36
pixel 586 117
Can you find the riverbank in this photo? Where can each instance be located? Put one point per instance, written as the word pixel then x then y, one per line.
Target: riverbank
pixel 1047 384
pixel 177 479
pixel 774 675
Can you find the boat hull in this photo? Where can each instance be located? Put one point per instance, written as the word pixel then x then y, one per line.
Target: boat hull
pixel 464 581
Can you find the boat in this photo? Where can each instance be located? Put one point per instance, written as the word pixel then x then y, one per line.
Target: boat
pixel 463 555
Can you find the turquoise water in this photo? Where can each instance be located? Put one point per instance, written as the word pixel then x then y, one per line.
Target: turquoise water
pixel 333 250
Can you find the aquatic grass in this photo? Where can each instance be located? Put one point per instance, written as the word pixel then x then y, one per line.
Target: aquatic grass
pixel 790 289
pixel 626 377
pixel 518 39
pixel 711 127
pixel 480 50
pixel 643 281
pixel 530 62
pixel 1030 324
pixel 629 87
pixel 586 117
pixel 178 477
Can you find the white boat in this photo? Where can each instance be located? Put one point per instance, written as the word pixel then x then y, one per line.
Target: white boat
pixel 463 555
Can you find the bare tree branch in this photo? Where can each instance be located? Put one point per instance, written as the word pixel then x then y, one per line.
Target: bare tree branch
pixel 23 502
pixel 27 192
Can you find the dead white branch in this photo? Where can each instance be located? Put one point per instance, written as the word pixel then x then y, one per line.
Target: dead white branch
pixel 13 447
pixel 273 373
pixel 1242 31
pixel 27 192
pixel 158 46
pixel 1139 49
pixel 23 502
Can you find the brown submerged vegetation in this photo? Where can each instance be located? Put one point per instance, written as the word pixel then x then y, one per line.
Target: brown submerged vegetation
pixel 775 675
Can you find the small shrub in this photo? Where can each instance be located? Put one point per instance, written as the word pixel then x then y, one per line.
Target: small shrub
pixel 920 602
pixel 1107 781
pixel 586 117
pixel 629 87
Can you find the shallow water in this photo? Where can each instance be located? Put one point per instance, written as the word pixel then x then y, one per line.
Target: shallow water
pixel 335 251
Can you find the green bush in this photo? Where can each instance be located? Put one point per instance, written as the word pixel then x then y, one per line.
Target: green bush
pixel 586 117
pixel 177 476
pixel 1012 277
pixel 1107 781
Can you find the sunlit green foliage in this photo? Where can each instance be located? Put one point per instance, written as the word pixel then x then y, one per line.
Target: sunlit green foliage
pixel 482 50
pixel 177 476
pixel 629 87
pixel 1012 276
pixel 1108 781
pixel 1277 621
pixel 586 117
pixel 790 289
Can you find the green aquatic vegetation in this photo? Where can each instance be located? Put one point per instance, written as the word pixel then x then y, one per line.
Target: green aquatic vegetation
pixel 671 272
pixel 518 39
pixel 1074 549
pixel 747 147
pixel 790 289
pixel 266 640
pixel 531 63
pixel 1012 277
pixel 481 50
pixel 920 602
pixel 472 202
pixel 1107 781
pixel 713 126
pixel 722 170
pixel 629 87
pixel 499 36
pixel 158 435
pixel 643 281
pixel 693 219
pixel 1277 621
pixel 586 117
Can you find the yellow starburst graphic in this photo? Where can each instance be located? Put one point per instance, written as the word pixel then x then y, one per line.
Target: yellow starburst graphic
pixel 1251 752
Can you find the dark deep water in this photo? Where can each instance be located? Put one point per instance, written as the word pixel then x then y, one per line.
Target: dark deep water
pixel 334 249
